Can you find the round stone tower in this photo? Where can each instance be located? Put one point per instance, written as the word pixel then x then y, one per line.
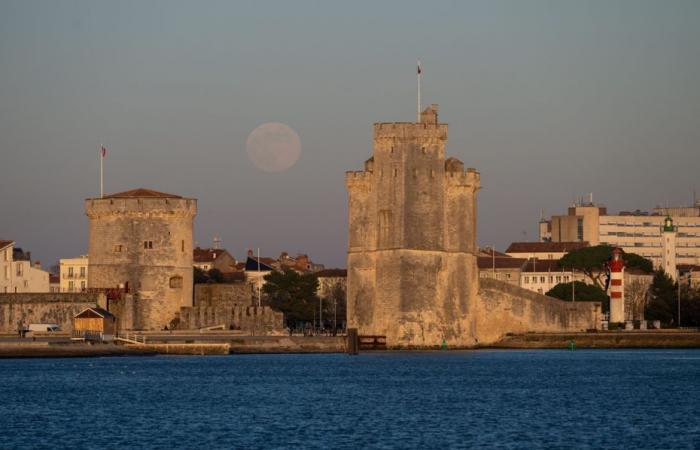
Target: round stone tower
pixel 141 240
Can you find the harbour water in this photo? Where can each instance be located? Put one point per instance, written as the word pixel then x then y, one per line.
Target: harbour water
pixel 472 399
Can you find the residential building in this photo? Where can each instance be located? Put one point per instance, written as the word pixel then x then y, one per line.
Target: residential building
pixel 502 268
pixel 214 258
pixel 18 274
pixel 6 266
pixel 634 231
pixel 54 282
pixel 543 250
pixel 74 273
pixel 542 275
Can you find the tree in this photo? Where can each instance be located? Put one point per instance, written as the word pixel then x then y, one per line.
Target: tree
pixel 200 276
pixel 592 262
pixel 293 294
pixel 335 307
pixel 582 292
pixel 215 276
pixel 663 303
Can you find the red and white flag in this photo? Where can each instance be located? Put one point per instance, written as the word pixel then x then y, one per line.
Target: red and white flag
pixel 103 150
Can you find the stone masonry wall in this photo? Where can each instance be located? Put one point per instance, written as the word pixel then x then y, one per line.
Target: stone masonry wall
pixel 58 308
pixel 230 305
pixel 147 244
pixel 504 308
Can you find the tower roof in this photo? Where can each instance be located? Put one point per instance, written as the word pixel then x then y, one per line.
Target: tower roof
pixel 142 193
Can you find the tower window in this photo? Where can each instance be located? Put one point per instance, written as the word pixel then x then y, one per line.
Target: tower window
pixel 176 282
pixel 118 248
pixel 182 245
pixel 396 172
pixel 148 244
pixel 424 150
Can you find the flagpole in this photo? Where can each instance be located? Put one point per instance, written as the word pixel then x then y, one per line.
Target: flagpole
pixel 101 172
pixel 418 99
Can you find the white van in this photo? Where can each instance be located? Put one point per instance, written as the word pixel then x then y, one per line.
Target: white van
pixel 44 327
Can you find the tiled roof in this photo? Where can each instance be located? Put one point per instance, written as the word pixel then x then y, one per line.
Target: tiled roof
pixel 4 244
pixel 207 254
pixel 489 252
pixel 542 265
pixel 332 273
pixel 487 262
pixel 142 193
pixel 543 247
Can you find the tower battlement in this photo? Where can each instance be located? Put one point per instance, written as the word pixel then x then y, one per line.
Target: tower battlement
pixel 409 131
pixel 469 177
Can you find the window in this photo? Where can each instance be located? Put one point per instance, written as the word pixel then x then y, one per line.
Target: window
pixel 542 279
pixel 566 278
pixel 396 172
pixel 508 276
pixel 580 228
pixel 425 150
pixel 551 279
pixel 118 248
pixel 559 279
pixel 82 272
pixel 71 286
pixel 148 244
pixel 26 283
pixel 7 273
pixel 70 271
pixel 82 285
pixel 183 246
pixel 176 282
pixel 526 280
pixel 19 269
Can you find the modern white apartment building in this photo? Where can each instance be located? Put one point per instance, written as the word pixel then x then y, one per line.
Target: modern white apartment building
pixel 74 274
pixel 635 232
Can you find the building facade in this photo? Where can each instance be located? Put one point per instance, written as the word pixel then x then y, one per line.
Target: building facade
pixel 73 273
pixel 635 232
pixel 18 273
pixel 141 242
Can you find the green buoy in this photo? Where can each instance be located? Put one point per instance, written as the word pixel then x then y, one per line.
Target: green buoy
pixel 444 344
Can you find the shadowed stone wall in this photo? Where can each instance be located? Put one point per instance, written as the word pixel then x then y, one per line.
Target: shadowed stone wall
pixel 505 308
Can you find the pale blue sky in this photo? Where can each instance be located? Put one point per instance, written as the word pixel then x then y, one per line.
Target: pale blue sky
pixel 548 99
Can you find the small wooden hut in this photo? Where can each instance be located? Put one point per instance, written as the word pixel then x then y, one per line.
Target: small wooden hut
pixel 95 324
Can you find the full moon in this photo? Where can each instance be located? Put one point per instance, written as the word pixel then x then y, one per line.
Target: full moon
pixel 273 147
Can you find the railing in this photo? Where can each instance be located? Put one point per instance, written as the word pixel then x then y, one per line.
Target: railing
pixel 131 338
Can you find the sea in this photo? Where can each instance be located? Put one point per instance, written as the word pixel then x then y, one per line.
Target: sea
pixel 548 399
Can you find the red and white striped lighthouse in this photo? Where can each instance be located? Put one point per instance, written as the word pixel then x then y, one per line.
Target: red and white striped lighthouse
pixel 617 287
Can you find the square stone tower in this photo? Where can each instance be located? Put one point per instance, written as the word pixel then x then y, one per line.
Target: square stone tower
pixel 412 272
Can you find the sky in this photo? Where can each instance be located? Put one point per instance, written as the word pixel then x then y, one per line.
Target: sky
pixel 548 99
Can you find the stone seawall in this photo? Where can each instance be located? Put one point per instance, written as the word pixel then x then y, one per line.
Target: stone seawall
pixel 611 339
pixel 505 308
pixel 58 308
